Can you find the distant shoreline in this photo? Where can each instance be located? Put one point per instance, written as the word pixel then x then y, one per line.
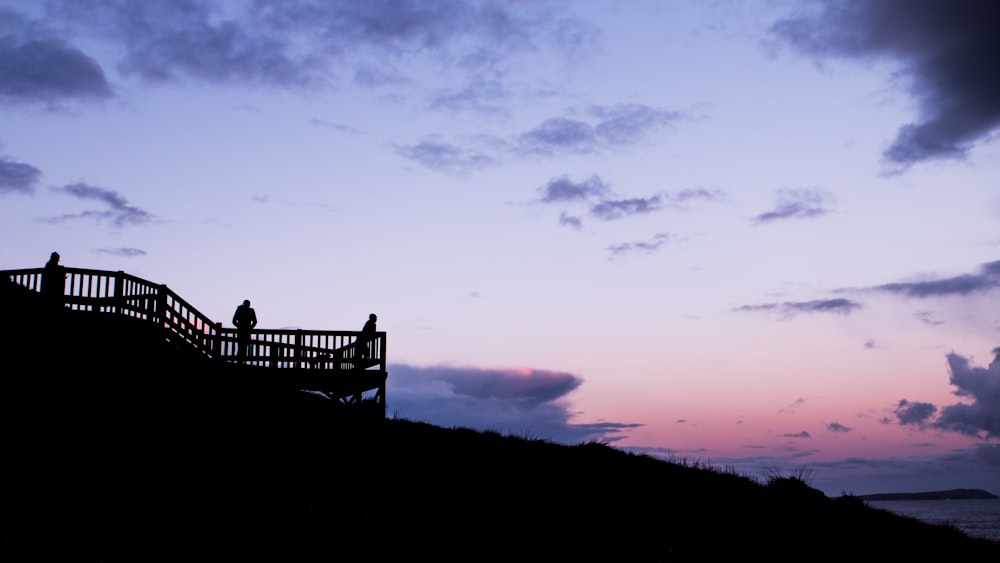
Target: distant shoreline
pixel 953 494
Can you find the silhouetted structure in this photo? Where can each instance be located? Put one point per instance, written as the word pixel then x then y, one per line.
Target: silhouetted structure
pixel 244 319
pixel 326 361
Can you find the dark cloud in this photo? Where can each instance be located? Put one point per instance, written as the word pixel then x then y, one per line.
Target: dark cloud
pixel 611 210
pixel 948 55
pixel 796 204
pixel 982 387
pixel 789 309
pixel 48 72
pixel 915 413
pixel 444 156
pixel 986 279
pixel 644 247
pixel 122 252
pixel 976 417
pixel 837 427
pixel 120 214
pixel 802 434
pixel 523 401
pixel 564 190
pixel 17 177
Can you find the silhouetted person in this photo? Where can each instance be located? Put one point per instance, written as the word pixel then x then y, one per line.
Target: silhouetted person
pixel 367 337
pixel 244 319
pixel 54 280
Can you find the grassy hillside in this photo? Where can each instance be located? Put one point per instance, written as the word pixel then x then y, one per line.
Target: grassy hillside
pixel 120 449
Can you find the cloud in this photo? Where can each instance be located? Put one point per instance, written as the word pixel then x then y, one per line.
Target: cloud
pixel 837 427
pixel 789 309
pixel 802 434
pixel 611 210
pixel 608 127
pixel 947 52
pixel 36 67
pixel 602 128
pixel 914 413
pixel 982 386
pixel 444 156
pixel 690 194
pixel 928 318
pixel 558 134
pixel 564 190
pixel 17 177
pixel 986 279
pixel 302 42
pixel 796 204
pixel 516 401
pixel 977 417
pixel 598 194
pixel 644 247
pixel 122 252
pixel 570 221
pixel 120 214
pixel 796 404
pixel 482 96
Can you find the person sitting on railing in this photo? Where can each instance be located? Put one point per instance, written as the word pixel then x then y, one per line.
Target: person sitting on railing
pixel 244 319
pixel 364 343
pixel 54 279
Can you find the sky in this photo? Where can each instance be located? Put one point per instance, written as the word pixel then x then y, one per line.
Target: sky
pixel 756 235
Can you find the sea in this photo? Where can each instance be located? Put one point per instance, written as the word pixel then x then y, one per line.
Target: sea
pixel 975 517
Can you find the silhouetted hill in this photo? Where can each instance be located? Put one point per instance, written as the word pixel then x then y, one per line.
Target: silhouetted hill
pixel 951 494
pixel 120 447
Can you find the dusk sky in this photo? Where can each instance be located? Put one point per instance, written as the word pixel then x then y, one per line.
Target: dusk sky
pixel 759 235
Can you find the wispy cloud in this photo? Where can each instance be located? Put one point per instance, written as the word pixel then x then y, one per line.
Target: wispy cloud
pixel 120 214
pixel 17 177
pixel 789 309
pixel 614 209
pixel 986 279
pixel 123 252
pixel 599 129
pixel 947 54
pixel 800 203
pixel 642 247
pixel 603 127
pixel 439 155
pixel 517 401
pixel 696 194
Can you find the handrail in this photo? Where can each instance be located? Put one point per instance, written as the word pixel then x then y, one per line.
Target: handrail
pixel 127 295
